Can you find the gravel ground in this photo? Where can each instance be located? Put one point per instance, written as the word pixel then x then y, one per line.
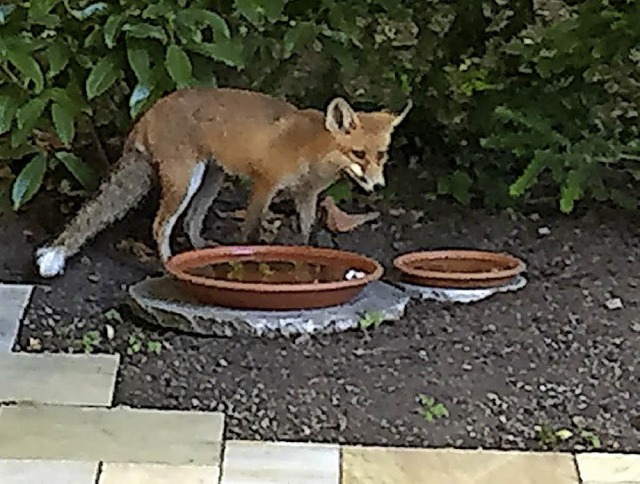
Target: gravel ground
pixel 562 353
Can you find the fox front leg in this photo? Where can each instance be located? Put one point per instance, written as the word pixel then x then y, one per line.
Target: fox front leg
pixel 262 193
pixel 306 200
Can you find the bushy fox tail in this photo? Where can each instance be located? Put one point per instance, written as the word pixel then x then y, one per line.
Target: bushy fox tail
pixel 128 182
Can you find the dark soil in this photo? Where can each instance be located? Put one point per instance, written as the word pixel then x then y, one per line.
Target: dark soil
pixel 552 354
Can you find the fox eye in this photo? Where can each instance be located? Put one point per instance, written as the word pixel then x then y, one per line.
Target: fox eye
pixel 381 154
pixel 359 154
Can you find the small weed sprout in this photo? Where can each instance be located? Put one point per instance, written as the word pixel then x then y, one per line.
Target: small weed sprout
pixel 371 319
pixel 90 340
pixel 550 438
pixel 154 347
pixel 430 409
pixel 135 345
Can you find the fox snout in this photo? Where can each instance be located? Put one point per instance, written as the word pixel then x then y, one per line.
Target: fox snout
pixel 369 179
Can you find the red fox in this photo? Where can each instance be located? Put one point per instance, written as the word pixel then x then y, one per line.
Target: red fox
pixel 191 139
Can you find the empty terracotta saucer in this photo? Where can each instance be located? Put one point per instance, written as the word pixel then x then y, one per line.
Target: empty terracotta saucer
pixel 274 277
pixel 458 269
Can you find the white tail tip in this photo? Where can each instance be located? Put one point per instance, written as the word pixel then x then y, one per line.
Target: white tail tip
pixel 51 261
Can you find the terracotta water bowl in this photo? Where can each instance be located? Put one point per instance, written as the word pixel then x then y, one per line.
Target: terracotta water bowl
pixel 273 277
pixel 458 269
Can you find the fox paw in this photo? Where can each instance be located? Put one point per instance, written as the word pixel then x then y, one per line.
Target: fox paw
pixel 51 261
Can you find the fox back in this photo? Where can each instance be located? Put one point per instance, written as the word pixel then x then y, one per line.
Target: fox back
pixel 250 133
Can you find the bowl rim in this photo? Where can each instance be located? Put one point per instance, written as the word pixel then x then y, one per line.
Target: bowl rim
pixel 173 266
pixel 404 263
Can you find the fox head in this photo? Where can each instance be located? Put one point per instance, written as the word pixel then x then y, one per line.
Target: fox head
pixel 363 139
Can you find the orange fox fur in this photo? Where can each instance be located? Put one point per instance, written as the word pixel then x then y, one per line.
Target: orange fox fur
pixel 192 138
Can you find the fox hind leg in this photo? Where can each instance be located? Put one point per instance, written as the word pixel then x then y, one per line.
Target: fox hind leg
pixel 177 192
pixel 200 204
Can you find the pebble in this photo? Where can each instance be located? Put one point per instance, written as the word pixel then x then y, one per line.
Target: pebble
pixel 613 304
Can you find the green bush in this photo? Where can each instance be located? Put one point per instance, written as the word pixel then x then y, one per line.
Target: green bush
pixel 566 100
pixel 506 94
pixel 71 68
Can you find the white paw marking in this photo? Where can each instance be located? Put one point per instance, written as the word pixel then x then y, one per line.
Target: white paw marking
pixel 51 261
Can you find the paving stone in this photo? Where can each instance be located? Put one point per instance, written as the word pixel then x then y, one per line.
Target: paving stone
pixel 58 378
pixel 114 473
pixel 47 472
pixel 598 468
pixel 13 301
pixel 378 465
pixel 280 463
pixel 111 435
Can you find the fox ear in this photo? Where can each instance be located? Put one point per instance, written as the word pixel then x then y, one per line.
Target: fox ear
pixel 400 117
pixel 340 117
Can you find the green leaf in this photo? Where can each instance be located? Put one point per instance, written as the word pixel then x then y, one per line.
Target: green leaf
pixel 625 199
pixel 273 9
pixel 90 10
pixel 27 119
pixel 8 108
pixel 94 39
pixel 28 67
pixel 298 35
pixel 71 98
pixel 564 434
pixel 111 30
pixel 139 62
pixel 571 190
pixel 78 168
pixel 179 66
pixel 340 191
pixel 146 31
pixel 5 11
pixel 29 114
pixel 458 185
pixel 28 182
pixel 157 10
pixel 198 16
pixel 101 77
pixel 138 99
pixel 440 410
pixel 58 55
pixel 250 9
pixel 50 21
pixel 40 8
pixel 12 154
pixel 228 51
pixel 63 122
pixel 203 72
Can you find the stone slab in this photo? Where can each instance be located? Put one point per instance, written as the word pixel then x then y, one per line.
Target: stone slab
pixel 115 473
pixel 163 301
pixel 464 296
pixel 386 465
pixel 599 468
pixel 112 435
pixel 14 299
pixel 18 471
pixel 280 463
pixel 58 378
